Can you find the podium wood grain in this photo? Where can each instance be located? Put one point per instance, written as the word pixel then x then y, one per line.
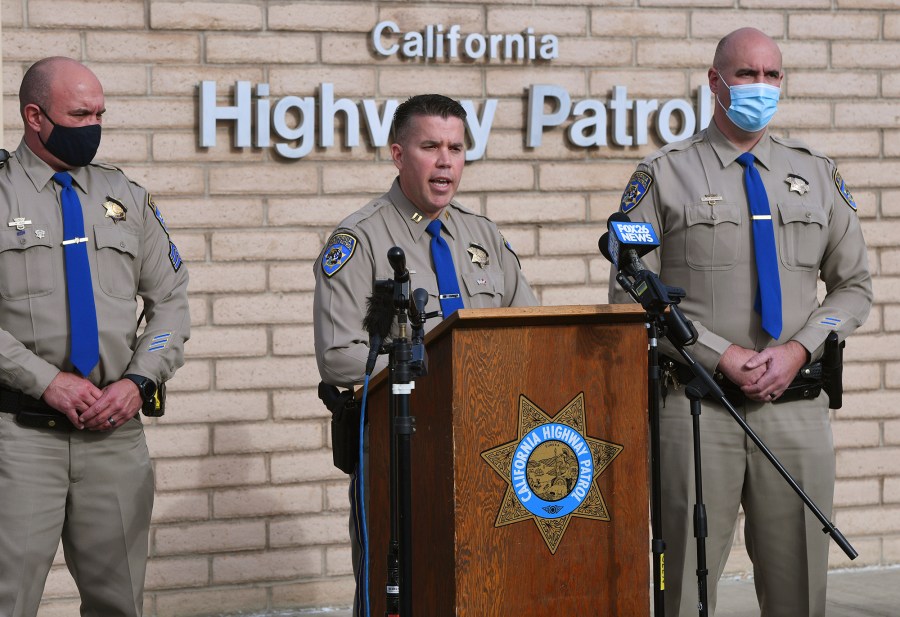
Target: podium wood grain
pixel 480 362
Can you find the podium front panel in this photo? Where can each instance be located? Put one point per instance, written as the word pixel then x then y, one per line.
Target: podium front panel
pixel 561 410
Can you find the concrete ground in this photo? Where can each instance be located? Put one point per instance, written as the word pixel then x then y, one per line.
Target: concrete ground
pixel 866 592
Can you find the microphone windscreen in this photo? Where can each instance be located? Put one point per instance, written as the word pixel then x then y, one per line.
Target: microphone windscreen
pixel 379 313
pixel 603 245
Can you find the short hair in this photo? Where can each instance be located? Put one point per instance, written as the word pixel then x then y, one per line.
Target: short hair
pixel 423 105
pixel 35 86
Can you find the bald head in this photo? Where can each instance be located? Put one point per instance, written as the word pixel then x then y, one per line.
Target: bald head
pixel 41 78
pixel 745 45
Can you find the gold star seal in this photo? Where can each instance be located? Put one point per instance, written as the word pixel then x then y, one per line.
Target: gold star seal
pixel 545 469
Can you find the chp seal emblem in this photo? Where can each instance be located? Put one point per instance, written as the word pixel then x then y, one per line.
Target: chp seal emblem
pixel 551 470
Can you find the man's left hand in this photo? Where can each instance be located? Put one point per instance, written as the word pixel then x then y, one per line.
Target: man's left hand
pixel 118 404
pixel 782 364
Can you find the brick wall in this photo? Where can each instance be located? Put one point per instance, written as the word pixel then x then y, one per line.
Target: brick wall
pixel 249 512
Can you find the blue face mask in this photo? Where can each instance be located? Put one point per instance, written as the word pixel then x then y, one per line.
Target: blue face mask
pixel 752 105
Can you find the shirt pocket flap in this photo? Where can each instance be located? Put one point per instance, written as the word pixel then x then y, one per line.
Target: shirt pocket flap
pixel 703 214
pixel 11 240
pixel 118 239
pixel 802 213
pixel 483 282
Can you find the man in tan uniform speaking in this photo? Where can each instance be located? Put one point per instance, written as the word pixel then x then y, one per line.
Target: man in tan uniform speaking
pixel 428 149
pixel 747 222
pixel 79 244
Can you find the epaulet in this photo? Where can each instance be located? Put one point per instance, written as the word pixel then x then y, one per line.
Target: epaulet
pixel 118 170
pixel 107 167
pixel 366 212
pixel 678 146
pixel 4 156
pixel 461 208
pixel 796 144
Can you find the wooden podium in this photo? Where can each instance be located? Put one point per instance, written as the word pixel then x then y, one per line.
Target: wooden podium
pixel 492 375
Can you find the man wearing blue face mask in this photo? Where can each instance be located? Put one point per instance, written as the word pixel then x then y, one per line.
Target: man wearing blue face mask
pixel 80 242
pixel 749 222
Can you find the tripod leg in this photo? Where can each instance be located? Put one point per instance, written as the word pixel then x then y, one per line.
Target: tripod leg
pixel 700 522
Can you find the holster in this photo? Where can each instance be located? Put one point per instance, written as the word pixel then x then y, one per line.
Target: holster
pixel 833 370
pixel 156 407
pixel 345 410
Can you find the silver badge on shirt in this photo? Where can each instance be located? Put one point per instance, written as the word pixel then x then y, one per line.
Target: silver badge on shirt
pixel 798 184
pixel 479 255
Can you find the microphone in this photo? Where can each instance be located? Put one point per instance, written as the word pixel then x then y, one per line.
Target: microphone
pixel 417 306
pixel 626 242
pixel 378 320
pixel 397 258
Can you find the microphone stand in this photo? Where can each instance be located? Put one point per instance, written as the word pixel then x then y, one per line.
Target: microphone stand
pixel 655 297
pixel 407 360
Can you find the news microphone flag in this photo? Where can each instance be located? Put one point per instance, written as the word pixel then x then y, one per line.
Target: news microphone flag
pixel 625 234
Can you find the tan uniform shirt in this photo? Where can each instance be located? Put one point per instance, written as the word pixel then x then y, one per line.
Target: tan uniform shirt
pixel 128 258
pixel 488 271
pixel 698 206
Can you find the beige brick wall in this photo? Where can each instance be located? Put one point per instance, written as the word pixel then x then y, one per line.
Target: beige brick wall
pixel 249 513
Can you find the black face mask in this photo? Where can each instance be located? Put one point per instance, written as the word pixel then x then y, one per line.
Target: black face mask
pixel 73 145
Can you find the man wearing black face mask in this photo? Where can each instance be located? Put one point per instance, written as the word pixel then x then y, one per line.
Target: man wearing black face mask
pixel 80 244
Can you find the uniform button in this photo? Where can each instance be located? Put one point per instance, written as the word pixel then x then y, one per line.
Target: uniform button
pixel 122 244
pixel 22 240
pixel 809 215
pixel 714 216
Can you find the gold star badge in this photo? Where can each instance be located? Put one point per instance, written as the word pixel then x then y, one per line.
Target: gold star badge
pixel 479 255
pixel 115 209
pixel 551 470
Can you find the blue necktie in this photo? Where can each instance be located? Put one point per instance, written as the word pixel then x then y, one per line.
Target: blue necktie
pixel 768 300
pixel 85 351
pixel 448 286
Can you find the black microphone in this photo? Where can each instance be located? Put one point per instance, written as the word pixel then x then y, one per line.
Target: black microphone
pixel 397 258
pixel 417 306
pixel 378 320
pixel 625 242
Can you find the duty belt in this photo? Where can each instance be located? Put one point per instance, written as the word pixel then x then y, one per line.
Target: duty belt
pixel 806 385
pixel 32 412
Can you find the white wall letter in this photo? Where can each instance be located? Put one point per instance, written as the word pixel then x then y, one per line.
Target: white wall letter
pixel 328 108
pixel 304 131
pixel 210 113
pixel 537 119
pixel 378 32
pixel 479 130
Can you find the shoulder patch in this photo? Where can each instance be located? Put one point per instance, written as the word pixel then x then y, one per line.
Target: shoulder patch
pixel 636 190
pixel 510 249
pixel 174 255
pixel 843 190
pixel 338 251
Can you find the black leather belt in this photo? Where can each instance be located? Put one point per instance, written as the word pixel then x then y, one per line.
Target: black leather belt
pixel 806 385
pixel 32 412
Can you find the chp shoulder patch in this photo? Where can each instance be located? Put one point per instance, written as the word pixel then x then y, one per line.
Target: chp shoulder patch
pixel 174 255
pixel 339 250
pixel 510 249
pixel 636 190
pixel 843 190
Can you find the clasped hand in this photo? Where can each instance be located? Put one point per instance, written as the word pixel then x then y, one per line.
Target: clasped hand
pixel 87 406
pixel 763 376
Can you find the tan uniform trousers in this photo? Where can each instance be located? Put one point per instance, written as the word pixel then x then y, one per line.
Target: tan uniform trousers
pixel 785 542
pixel 93 490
